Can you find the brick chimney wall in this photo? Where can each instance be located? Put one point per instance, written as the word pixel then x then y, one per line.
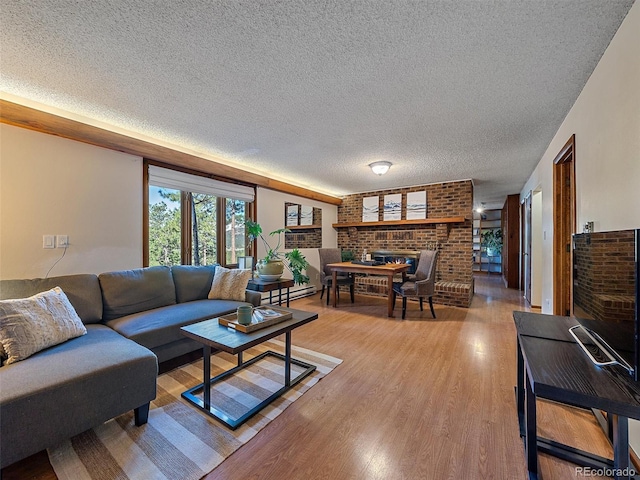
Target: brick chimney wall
pixel 454 240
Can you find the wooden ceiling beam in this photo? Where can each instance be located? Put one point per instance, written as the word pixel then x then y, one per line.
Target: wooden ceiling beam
pixel 44 122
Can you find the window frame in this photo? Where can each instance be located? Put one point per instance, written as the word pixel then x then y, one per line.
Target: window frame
pixel 186 221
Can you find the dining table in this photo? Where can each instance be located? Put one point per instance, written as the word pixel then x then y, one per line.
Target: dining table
pixel 388 270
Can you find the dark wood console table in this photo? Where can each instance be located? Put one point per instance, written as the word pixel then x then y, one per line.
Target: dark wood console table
pixel 552 366
pixel 260 285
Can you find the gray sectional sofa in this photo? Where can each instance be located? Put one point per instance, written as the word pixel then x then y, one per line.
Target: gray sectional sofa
pixel 133 321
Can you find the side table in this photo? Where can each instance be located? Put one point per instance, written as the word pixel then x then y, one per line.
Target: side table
pixel 551 365
pixel 260 285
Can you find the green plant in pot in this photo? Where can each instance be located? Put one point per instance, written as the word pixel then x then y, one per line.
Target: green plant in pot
pixel 272 265
pixel 492 241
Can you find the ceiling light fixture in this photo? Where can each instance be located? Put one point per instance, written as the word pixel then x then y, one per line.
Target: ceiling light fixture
pixel 480 209
pixel 380 168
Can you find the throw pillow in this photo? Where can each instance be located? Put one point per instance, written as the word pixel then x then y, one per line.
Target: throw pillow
pixel 28 325
pixel 229 284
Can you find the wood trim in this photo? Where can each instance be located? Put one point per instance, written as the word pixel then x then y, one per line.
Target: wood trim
pixel 391 223
pixel 565 153
pixel 564 225
pixel 186 226
pixel 221 225
pixel 510 222
pixel 303 227
pixel 252 246
pixel 43 122
pixel 145 213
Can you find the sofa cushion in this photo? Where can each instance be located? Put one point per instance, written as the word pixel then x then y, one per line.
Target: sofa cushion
pixel 28 325
pixel 69 388
pixel 162 325
pixel 83 291
pixel 192 283
pixel 131 291
pixel 229 284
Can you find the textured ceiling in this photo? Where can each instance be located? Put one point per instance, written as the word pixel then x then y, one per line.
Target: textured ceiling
pixel 312 91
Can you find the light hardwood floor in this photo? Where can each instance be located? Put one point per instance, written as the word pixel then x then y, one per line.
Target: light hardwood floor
pixel 413 399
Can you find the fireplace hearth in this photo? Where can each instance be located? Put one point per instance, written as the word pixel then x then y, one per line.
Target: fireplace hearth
pixel 398 256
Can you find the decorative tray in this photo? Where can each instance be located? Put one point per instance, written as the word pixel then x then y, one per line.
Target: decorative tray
pixel 262 317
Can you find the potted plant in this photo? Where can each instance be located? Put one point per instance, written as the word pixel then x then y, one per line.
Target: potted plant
pixel 272 265
pixel 492 241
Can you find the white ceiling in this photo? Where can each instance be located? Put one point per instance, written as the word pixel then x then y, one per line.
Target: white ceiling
pixel 311 91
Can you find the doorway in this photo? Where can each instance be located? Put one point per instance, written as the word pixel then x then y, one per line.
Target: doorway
pixel 536 248
pixel 526 254
pixel 532 240
pixel 564 208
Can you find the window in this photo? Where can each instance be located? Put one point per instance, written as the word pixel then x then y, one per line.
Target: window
pixel 204 245
pixel 194 220
pixel 235 211
pixel 164 226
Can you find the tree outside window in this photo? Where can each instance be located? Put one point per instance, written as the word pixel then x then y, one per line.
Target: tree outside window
pixel 170 227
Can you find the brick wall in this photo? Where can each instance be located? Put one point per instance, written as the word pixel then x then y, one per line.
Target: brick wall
pixel 604 275
pixel 304 237
pixel 453 240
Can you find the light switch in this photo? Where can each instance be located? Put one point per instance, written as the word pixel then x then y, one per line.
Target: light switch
pixel 48 241
pixel 62 241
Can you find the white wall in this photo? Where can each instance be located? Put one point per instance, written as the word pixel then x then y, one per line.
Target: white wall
pixel 606 122
pixel 271 217
pixel 51 185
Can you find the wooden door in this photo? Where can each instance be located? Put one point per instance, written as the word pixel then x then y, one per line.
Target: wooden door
pixel 564 208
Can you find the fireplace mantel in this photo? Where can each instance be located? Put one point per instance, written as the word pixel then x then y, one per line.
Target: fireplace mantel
pixel 391 223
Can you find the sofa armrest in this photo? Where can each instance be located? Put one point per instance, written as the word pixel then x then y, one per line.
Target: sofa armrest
pixel 253 297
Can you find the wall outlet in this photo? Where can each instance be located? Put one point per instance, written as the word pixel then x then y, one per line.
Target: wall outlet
pixel 548 302
pixel 48 241
pixel 62 241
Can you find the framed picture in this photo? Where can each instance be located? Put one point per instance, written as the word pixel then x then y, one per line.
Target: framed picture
pixel 417 205
pixel 292 215
pixel 306 215
pixel 392 207
pixel 370 209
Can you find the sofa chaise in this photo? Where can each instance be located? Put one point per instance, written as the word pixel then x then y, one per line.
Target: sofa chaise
pixel 133 321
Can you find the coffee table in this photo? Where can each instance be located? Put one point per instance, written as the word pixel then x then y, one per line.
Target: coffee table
pixel 212 335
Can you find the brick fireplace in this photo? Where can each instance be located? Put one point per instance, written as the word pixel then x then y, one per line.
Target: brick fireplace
pixel 454 275
pixel 398 256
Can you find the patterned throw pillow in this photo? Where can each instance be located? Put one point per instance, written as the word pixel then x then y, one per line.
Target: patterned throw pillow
pixel 28 325
pixel 229 284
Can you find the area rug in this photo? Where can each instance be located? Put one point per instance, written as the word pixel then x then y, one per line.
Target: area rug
pixel 179 441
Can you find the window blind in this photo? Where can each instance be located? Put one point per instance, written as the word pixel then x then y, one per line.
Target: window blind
pixel 167 178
